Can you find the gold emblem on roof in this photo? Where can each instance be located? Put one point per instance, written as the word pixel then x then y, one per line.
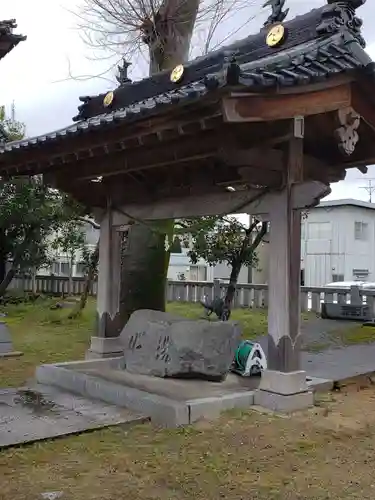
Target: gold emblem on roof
pixel 177 73
pixel 276 35
pixel 108 99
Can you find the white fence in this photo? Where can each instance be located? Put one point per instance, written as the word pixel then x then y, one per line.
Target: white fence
pixel 247 295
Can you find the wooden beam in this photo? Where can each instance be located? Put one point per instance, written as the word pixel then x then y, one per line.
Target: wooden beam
pixel 280 107
pixel 259 177
pixel 264 164
pixel 363 107
pixel 304 195
pixel 266 159
pixel 262 158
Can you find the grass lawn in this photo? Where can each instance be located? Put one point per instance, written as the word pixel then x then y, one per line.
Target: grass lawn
pixel 325 452
pixel 47 336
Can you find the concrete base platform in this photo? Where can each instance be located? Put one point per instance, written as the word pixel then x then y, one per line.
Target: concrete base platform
pixel 169 402
pixel 284 391
pixel 173 402
pixel 43 412
pixel 285 403
pixel 11 354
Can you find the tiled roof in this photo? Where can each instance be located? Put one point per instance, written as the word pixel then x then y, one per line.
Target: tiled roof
pixel 8 40
pixel 134 111
pixel 253 48
pixel 312 63
pixel 313 51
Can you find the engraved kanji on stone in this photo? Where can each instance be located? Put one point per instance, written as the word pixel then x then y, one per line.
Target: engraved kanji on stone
pixel 135 341
pixel 162 349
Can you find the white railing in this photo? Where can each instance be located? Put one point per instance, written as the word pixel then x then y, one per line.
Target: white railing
pixel 247 295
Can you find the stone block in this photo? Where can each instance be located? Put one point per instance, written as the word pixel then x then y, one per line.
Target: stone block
pixel 69 380
pixel 283 392
pixel 283 383
pixel 4 333
pixel 165 345
pixel 346 311
pixel 283 403
pixel 210 408
pixel 92 355
pixel 173 414
pixel 6 345
pixel 5 348
pixel 104 347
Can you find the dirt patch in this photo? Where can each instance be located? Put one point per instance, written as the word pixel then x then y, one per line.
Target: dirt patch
pixel 344 412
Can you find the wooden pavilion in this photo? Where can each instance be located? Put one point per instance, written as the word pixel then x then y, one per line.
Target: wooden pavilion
pixel 276 116
pixel 8 40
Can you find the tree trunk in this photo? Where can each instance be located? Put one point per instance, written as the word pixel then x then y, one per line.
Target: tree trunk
pixel 145 261
pixel 7 281
pixel 231 290
pixel 3 256
pixel 237 264
pixel 89 279
pixel 144 268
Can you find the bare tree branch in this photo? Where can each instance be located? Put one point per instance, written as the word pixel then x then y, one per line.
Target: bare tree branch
pixel 129 28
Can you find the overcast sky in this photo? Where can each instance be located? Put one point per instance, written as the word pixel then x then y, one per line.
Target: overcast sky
pixel 36 74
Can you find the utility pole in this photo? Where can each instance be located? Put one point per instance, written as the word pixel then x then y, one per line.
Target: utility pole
pixel 370 188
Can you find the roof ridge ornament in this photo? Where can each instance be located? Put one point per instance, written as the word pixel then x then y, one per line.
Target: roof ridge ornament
pixel 7 27
pixel 278 14
pixel 122 76
pixel 341 14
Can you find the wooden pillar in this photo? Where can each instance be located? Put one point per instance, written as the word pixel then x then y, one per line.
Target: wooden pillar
pixel 108 299
pixel 283 282
pixel 284 269
pixel 283 385
pixel 108 322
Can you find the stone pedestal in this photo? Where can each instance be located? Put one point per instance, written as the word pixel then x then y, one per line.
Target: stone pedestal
pixel 6 345
pixel 102 347
pixel 283 392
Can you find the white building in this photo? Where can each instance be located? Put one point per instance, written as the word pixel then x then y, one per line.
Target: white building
pixel 180 266
pixel 62 265
pixel 338 242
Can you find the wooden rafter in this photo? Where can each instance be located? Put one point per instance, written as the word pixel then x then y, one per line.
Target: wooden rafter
pixel 151 131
